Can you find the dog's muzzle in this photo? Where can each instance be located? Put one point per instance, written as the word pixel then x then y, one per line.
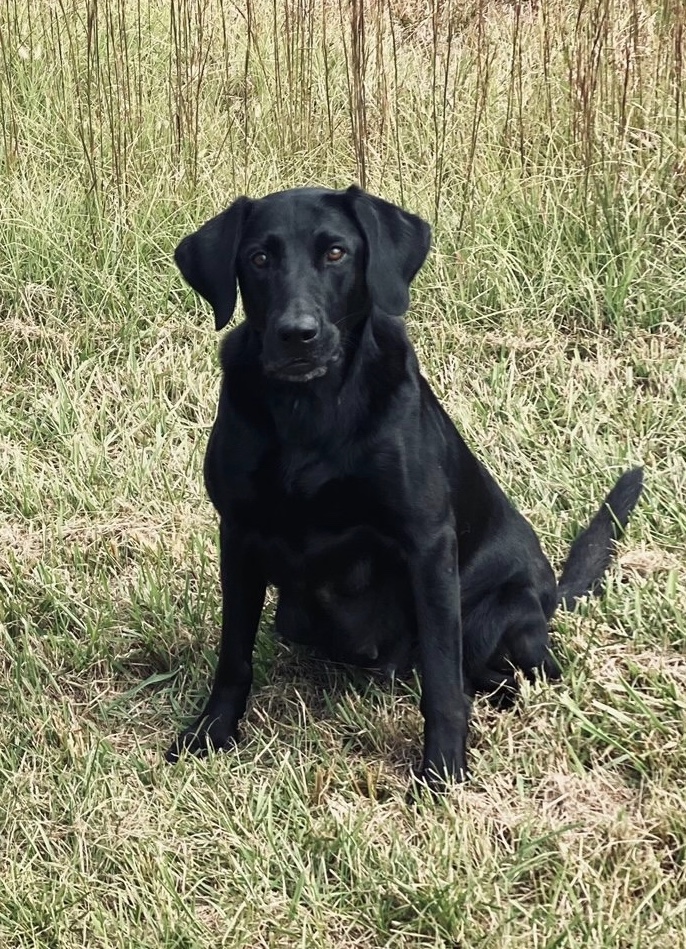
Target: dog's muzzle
pixel 300 370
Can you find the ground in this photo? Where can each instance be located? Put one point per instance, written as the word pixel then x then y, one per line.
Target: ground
pixel 545 145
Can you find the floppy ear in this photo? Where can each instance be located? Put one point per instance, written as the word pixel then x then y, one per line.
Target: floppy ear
pixel 207 259
pixel 397 245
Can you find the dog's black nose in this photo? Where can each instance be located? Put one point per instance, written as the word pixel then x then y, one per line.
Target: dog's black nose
pixel 298 330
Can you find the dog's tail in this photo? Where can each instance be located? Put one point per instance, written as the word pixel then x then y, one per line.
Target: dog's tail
pixel 592 551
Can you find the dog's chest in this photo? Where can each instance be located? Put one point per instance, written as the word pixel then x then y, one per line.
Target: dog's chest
pixel 299 491
pixel 314 500
pixel 307 512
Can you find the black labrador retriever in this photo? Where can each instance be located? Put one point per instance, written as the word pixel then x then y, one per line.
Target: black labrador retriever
pixel 340 480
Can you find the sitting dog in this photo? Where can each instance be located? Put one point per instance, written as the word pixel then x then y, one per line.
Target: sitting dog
pixel 339 479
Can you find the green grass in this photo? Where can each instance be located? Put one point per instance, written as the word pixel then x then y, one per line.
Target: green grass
pixel 547 146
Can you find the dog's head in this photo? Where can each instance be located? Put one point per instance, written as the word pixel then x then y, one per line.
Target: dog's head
pixel 310 264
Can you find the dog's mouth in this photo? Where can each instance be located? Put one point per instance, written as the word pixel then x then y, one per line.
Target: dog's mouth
pixel 300 370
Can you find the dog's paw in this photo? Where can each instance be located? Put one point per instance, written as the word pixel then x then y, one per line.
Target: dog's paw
pixel 435 782
pixel 504 696
pixel 203 736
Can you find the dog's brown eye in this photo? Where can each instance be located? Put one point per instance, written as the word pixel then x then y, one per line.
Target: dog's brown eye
pixel 335 253
pixel 259 259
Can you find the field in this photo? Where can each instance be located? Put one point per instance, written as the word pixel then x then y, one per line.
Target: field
pixel 546 143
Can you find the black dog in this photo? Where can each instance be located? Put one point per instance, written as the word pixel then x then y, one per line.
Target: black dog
pixel 340 480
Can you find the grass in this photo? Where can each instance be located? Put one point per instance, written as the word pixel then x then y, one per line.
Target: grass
pixel 546 144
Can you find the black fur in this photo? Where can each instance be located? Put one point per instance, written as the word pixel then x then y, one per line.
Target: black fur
pixel 591 553
pixel 340 480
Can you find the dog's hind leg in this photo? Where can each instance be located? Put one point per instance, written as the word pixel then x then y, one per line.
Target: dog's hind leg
pixel 498 686
pixel 293 622
pixel 527 639
pixel 503 637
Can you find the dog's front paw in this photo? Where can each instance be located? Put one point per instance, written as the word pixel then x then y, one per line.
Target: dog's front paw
pixel 202 736
pixel 436 780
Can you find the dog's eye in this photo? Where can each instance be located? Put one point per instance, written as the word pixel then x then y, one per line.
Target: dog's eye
pixel 335 253
pixel 259 259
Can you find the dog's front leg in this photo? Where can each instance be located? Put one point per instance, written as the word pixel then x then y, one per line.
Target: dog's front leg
pixel 436 588
pixel 243 591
